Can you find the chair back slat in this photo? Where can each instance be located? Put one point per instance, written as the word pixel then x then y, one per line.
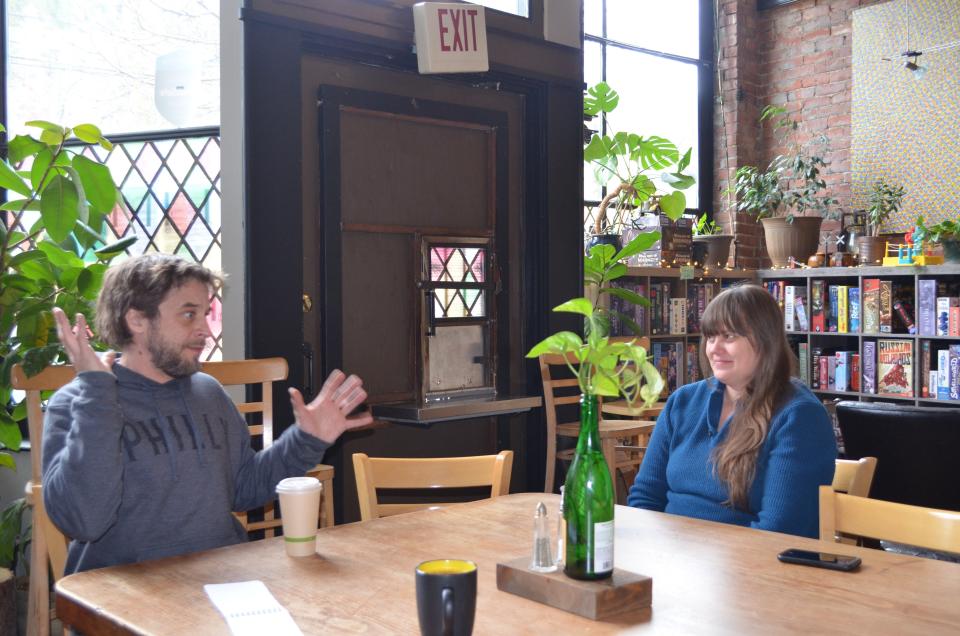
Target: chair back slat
pixel 914 525
pixel 854 476
pixel 373 473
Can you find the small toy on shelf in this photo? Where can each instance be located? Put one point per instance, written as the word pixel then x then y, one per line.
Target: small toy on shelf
pixel 908 253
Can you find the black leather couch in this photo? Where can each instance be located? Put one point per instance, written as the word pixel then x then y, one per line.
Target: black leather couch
pixel 917 450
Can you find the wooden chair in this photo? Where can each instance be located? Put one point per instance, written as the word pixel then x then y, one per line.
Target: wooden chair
pixel 429 473
pixel 854 477
pixel 558 392
pixel 923 527
pixel 48 545
pixel 265 372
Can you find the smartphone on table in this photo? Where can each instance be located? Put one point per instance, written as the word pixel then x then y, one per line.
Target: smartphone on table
pixel 826 560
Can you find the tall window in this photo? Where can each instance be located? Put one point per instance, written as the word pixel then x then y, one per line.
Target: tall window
pixel 148 74
pixel 658 55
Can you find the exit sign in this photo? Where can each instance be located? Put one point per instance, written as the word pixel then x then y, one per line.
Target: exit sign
pixel 450 38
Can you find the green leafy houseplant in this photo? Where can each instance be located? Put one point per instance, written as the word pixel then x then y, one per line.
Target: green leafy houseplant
pixel 792 184
pixel 604 367
pixel 946 233
pixel 706 227
pixel 58 260
pixel 885 201
pixel 624 162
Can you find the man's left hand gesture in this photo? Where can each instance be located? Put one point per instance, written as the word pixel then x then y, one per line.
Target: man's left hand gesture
pixel 326 416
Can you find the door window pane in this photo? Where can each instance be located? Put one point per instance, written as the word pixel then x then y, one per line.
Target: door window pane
pixel 670 27
pixel 593 17
pixel 125 65
pixel 657 97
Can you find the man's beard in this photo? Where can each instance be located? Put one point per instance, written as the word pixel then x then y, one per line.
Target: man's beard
pixel 169 359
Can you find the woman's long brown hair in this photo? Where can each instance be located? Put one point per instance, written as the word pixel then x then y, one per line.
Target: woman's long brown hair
pixel 751 312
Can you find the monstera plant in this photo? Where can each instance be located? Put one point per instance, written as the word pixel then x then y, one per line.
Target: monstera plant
pixel 52 251
pixel 630 165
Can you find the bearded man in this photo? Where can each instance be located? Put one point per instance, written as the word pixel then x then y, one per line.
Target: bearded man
pixel 146 457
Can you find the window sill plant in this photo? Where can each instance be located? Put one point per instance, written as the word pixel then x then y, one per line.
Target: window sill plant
pixel 715 244
pixel 788 197
pixel 885 201
pixel 627 164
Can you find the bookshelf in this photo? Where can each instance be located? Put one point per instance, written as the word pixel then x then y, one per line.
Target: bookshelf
pixel 905 285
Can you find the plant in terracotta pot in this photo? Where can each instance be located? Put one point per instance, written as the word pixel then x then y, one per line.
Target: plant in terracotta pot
pixel 630 167
pixel 946 233
pixel 716 244
pixel 885 201
pixel 789 196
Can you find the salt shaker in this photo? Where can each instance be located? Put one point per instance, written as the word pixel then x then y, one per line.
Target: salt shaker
pixel 542 550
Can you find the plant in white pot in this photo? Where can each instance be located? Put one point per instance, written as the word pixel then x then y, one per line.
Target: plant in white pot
pixel 788 197
pixel 716 244
pixel 885 201
pixel 630 167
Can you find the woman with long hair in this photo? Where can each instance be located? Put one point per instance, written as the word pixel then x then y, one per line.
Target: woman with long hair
pixel 749 445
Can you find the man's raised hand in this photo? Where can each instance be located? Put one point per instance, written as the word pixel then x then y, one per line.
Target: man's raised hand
pixel 326 416
pixel 76 342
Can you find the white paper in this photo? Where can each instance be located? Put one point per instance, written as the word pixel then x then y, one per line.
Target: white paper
pixel 251 610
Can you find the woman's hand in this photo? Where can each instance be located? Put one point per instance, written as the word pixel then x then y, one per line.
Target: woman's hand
pixel 326 417
pixel 76 342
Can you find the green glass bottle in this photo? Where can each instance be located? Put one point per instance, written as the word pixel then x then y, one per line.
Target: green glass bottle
pixel 588 499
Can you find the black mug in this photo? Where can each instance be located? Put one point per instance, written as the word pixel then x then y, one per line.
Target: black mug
pixel 446 597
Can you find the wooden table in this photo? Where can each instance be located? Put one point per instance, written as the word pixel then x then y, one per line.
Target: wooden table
pixel 623 409
pixel 707 578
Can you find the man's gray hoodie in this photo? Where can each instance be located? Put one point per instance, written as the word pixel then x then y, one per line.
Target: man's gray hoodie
pixel 136 470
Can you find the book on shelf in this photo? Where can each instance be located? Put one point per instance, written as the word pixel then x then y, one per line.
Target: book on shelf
pixel 678 315
pixel 818 299
pixel 831 372
pixel 666 357
pixel 871 305
pixel 841 381
pixel 803 362
pixel 925 366
pixel 855 372
pixel 943 315
pixel 789 311
pixel 943 374
pixel 800 308
pixel 693 363
pixel 825 372
pixel 953 326
pixel 954 392
pixel 868 364
pixel 886 306
pixel 927 307
pixel 815 355
pixel 832 308
pixel 843 313
pixel 854 309
pixel 895 368
pixel 933 384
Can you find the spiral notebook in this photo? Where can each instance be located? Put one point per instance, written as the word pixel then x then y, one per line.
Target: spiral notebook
pixel 250 609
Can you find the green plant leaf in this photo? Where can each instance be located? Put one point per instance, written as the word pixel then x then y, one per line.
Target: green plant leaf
pixel 88 133
pixel 10 435
pixel 628 321
pixel 6 461
pixel 684 160
pixel 10 180
pixel 59 208
pixel 580 306
pixel 18 204
pixel 51 138
pixel 116 247
pixel 560 342
pixel 600 98
pixel 677 180
pixel 602 253
pixel 655 153
pixel 604 385
pixel 595 149
pixel 97 183
pixel 39 169
pixel 640 243
pixel 673 204
pixel 19 259
pixel 45 125
pixel 616 271
pixel 58 256
pixel 21 147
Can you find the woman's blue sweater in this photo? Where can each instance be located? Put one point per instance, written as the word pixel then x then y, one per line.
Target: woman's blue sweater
pixel 678 476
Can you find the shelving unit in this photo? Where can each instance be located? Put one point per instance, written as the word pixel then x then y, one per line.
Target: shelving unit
pixel 854 276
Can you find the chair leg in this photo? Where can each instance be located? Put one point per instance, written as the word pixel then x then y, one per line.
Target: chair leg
pixel 551 463
pixel 326 503
pixel 38 600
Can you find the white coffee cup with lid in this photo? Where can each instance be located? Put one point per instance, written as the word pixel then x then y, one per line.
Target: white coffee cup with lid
pixel 300 512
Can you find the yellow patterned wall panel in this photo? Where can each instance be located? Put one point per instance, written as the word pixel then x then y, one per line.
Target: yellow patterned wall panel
pixel 904 129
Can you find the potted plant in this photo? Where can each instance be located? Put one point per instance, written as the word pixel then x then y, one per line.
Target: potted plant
pixel 627 164
pixel 788 197
pixel 885 200
pixel 716 244
pixel 603 368
pixel 14 540
pixel 946 233
pixel 51 250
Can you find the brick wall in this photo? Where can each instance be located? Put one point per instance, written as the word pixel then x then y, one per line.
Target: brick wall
pixel 798 56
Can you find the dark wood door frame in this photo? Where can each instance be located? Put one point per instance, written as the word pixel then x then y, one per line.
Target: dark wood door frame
pixel 552 230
